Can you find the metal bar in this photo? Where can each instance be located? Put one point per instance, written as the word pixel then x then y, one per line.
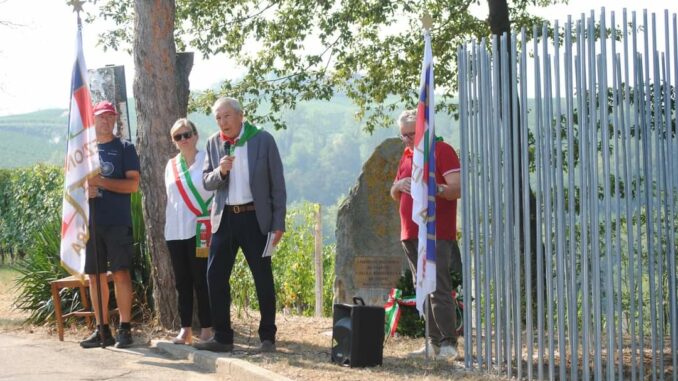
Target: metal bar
pixel 515 239
pixel 476 200
pixel 501 207
pixel 526 205
pixel 662 222
pixel 486 258
pixel 656 159
pixel 466 249
pixel 593 153
pixel 539 168
pixel 547 143
pixel 672 269
pixel 647 153
pixel 638 115
pixel 572 270
pixel 627 154
pixel 604 122
pixel 560 210
pixel 584 184
pixel 502 202
pixel 618 265
pixel 463 129
pixel 497 230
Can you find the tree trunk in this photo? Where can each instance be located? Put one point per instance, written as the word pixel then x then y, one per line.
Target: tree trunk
pixel 159 103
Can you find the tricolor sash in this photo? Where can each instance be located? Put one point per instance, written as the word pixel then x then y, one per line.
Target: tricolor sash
pixel 195 203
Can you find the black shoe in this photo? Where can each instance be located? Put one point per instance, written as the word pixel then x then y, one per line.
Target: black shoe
pixel 213 346
pixel 94 340
pixel 267 346
pixel 124 338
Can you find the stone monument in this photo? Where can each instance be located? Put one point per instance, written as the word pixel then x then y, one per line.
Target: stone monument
pixel 108 84
pixel 369 258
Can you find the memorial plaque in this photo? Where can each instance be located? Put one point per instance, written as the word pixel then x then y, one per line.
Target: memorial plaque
pixel 377 272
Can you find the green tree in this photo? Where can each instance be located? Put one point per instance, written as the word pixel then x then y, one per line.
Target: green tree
pixel 297 50
pixel 293 50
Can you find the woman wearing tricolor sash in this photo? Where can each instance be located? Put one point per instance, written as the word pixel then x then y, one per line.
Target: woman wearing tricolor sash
pixel 187 229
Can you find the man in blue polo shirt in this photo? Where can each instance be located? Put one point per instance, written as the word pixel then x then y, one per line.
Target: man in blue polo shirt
pixel 111 222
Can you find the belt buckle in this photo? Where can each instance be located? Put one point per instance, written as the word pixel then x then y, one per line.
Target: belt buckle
pixel 236 209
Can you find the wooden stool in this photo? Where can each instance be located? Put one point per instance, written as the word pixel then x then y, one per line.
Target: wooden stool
pixel 86 311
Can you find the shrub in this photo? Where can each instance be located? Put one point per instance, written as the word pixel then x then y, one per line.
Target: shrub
pixel 36 270
pixel 293 268
pixel 42 265
pixel 30 198
pixel 141 263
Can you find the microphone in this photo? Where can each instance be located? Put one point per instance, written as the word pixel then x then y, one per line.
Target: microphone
pixel 227 147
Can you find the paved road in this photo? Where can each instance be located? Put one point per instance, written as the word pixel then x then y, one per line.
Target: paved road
pixel 31 358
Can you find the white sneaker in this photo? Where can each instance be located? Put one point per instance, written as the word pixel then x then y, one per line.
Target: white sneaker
pixel 448 352
pixel 421 352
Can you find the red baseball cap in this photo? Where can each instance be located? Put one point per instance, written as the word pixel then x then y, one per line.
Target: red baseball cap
pixel 104 107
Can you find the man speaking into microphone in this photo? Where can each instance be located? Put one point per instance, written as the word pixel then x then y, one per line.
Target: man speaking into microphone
pixel 243 166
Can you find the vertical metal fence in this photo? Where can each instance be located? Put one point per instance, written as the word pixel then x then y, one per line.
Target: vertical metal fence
pixel 569 196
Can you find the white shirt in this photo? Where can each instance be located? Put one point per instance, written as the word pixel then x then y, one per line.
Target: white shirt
pixel 239 191
pixel 180 221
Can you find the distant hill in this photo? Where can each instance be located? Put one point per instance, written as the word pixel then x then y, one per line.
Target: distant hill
pixel 322 150
pixel 26 139
pixel 30 138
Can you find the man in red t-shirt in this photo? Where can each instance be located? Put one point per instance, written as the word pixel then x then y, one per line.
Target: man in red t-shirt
pixel 443 322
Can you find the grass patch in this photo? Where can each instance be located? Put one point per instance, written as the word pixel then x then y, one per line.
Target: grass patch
pixel 8 277
pixel 11 317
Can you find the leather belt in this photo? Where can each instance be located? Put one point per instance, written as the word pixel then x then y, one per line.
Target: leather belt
pixel 235 209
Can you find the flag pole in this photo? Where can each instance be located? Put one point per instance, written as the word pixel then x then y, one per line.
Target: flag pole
pixel 77 7
pixel 427 319
pixel 426 23
pixel 93 246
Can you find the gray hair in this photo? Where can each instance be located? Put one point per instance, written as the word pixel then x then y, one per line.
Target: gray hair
pixel 407 117
pixel 230 102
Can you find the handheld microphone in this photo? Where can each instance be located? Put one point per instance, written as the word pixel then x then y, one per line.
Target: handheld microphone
pixel 227 147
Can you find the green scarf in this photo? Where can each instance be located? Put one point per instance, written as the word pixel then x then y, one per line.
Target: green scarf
pixel 249 133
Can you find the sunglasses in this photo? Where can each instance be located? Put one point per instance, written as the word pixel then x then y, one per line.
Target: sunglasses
pixel 182 136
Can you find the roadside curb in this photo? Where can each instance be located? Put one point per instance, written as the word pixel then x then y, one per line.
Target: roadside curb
pixel 235 368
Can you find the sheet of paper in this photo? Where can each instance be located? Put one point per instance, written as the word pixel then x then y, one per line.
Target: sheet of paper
pixel 269 249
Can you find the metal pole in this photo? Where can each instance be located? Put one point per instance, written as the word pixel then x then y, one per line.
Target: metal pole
pixel 572 265
pixel 97 281
pixel 318 262
pixel 672 269
pixel 526 207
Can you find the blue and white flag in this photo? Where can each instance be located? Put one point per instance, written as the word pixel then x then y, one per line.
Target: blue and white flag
pixel 424 181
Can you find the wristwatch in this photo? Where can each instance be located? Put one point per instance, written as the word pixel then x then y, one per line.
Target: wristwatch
pixel 439 189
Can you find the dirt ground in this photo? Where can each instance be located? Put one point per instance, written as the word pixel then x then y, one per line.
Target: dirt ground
pixel 303 346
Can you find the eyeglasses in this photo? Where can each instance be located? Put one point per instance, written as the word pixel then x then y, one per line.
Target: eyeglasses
pixel 407 136
pixel 182 136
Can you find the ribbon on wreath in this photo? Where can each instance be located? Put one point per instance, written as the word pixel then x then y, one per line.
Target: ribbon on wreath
pixel 395 300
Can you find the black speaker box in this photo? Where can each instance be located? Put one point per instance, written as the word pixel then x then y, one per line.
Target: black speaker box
pixel 357 334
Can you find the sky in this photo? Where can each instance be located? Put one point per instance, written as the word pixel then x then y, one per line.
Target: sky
pixel 38 51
